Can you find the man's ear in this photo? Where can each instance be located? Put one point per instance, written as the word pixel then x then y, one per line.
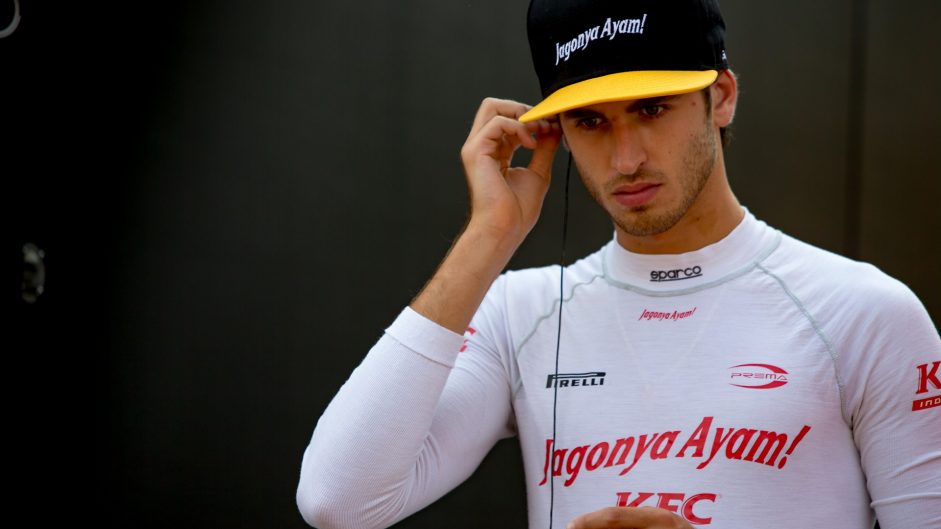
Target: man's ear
pixel 724 92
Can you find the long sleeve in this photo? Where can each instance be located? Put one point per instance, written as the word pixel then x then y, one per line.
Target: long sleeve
pixel 893 392
pixel 413 421
pixel 883 345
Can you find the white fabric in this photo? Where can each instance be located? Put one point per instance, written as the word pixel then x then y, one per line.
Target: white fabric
pixel 675 420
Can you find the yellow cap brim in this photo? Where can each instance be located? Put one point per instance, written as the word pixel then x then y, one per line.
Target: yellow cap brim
pixel 618 87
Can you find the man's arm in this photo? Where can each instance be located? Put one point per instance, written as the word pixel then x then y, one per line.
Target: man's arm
pixel 893 387
pixel 412 421
pixel 505 204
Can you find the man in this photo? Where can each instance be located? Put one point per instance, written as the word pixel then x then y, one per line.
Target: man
pixel 701 369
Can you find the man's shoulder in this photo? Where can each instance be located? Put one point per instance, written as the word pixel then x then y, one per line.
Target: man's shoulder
pixel 811 271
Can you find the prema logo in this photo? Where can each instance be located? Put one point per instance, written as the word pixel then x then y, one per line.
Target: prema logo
pixel 677 502
pixel 758 376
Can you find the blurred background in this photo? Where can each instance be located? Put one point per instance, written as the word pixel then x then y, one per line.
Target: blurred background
pixel 231 200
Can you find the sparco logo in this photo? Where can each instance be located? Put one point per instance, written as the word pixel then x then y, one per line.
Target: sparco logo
pixel 678 274
pixel 758 376
pixel 677 502
pixel 567 380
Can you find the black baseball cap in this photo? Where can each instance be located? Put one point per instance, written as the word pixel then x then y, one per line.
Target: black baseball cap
pixel 596 51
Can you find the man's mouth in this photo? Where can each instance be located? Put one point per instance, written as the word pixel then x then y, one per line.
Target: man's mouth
pixel 636 194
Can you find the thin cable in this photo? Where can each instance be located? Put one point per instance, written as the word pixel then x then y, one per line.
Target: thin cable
pixel 11 27
pixel 558 336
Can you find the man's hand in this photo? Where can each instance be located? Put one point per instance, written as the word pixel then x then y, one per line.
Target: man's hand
pixel 505 203
pixel 506 200
pixel 629 518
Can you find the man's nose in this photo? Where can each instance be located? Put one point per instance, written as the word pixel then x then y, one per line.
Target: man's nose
pixel 629 152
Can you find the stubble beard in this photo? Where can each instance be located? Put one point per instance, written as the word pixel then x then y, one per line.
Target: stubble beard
pixel 698 164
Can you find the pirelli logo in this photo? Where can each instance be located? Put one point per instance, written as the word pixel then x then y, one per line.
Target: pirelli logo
pixel 570 380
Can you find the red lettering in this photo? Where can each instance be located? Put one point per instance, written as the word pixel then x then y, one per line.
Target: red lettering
pixel 742 444
pixel 674 502
pixel 717 443
pixel 743 435
pixel 470 331
pixel 790 450
pixel 698 439
pixel 666 499
pixel 690 504
pixel 925 375
pixel 924 404
pixel 642 446
pixel 545 468
pixel 623 498
pixel 660 451
pixel 574 465
pixel 596 455
pixel 775 439
pixel 557 459
pixel 625 444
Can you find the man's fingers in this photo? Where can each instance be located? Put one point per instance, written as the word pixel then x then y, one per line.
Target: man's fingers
pixel 628 518
pixel 492 106
pixel 547 143
pixel 498 138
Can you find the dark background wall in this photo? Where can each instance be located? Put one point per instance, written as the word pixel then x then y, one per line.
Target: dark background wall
pixel 235 198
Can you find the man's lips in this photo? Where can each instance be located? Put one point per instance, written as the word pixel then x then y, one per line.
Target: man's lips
pixel 635 194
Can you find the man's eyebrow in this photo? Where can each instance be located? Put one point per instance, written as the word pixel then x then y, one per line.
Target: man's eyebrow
pixel 579 113
pixel 641 103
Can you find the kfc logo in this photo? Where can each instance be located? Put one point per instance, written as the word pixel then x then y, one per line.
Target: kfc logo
pixel 672 501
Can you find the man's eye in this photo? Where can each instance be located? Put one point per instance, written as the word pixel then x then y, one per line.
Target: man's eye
pixel 652 111
pixel 589 123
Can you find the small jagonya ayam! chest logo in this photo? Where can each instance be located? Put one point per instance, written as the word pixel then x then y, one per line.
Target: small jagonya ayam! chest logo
pixel 757 376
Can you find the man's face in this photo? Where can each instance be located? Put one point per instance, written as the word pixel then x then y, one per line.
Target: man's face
pixel 646 161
